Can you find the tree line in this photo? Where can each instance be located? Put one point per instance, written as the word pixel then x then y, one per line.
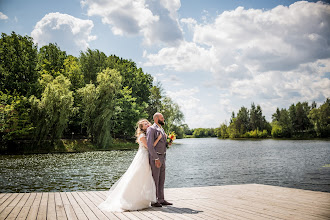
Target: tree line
pixel 301 120
pixel 47 95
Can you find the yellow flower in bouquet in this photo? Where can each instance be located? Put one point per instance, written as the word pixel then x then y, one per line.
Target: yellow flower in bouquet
pixel 171 137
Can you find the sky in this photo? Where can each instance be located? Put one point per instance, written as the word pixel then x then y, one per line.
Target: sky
pixel 211 56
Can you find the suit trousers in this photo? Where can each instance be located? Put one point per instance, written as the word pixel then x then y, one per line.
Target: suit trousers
pixel 159 177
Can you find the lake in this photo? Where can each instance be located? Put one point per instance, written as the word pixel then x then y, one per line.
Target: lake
pixel 303 164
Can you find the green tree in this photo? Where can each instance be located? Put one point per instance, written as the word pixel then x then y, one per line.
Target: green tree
pixel 320 118
pixel 51 60
pixel 257 120
pixel 87 102
pixel 18 62
pixel 299 118
pixel 99 105
pixel 15 121
pixel 133 78
pixel 223 131
pixel 172 114
pixel 179 131
pixel 73 72
pixel 51 113
pixel 233 129
pixel 277 130
pixel 155 101
pixel 243 120
pixel 199 132
pixel 92 62
pixel 276 116
pixel 127 114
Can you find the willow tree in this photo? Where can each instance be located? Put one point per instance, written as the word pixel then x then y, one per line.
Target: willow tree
pixel 99 105
pixel 51 113
pixel 172 114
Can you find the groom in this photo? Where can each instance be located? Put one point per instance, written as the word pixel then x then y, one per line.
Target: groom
pixel 157 157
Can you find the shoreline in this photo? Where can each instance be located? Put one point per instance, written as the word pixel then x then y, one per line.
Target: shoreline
pixel 69 146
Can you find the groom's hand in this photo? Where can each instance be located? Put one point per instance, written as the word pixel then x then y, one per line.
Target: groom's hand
pixel 158 163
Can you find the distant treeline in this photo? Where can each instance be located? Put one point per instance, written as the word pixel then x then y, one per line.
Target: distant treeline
pixel 301 120
pixel 46 95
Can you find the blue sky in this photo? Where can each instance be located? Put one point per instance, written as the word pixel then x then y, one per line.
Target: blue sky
pixel 211 56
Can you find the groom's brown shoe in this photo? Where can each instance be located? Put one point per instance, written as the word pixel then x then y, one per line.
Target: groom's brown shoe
pixel 157 204
pixel 166 203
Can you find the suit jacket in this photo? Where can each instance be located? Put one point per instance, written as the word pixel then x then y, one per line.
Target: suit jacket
pixel 152 134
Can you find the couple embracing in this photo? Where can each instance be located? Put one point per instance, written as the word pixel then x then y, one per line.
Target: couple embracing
pixel 143 182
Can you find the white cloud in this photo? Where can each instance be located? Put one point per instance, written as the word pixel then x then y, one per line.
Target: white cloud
pixel 70 33
pixel 189 21
pixel 275 56
pixel 195 113
pixel 188 56
pixel 3 16
pixel 156 21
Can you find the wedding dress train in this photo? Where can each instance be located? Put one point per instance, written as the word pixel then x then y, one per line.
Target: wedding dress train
pixel 136 189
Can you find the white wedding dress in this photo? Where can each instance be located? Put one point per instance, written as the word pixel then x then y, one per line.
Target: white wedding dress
pixel 136 189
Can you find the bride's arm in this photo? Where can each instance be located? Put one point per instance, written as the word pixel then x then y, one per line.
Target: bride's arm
pixel 157 140
pixel 144 141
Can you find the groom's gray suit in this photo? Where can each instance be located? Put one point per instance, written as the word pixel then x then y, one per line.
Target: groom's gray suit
pixel 157 152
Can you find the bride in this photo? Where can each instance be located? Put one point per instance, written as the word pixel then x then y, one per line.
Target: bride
pixel 136 188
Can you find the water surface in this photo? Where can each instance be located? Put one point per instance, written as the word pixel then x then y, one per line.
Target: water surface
pixel 190 162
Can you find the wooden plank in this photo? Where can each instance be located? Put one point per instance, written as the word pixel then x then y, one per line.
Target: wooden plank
pixel 59 207
pixel 147 213
pixel 97 212
pixel 9 205
pixel 269 203
pixel 33 212
pixel 77 209
pixel 6 212
pixel 70 214
pixel 193 193
pixel 208 212
pixel 249 201
pixel 158 213
pixel 102 196
pixel 203 210
pixel 140 215
pixel 24 212
pixel 184 212
pixel 305 197
pixel 42 210
pixel 17 207
pixel 2 195
pixel 248 204
pixel 88 212
pixel 96 200
pixel 31 199
pixel 26 207
pixel 5 197
pixel 51 209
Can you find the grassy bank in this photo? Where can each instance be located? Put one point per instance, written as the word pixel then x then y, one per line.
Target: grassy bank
pixel 64 146
pixel 85 145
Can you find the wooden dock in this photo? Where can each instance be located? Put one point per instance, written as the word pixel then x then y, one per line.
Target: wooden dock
pixel 249 201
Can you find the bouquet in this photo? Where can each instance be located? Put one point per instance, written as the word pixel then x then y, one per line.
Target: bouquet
pixel 171 137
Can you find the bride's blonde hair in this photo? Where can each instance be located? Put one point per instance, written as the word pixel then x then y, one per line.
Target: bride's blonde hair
pixel 139 130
